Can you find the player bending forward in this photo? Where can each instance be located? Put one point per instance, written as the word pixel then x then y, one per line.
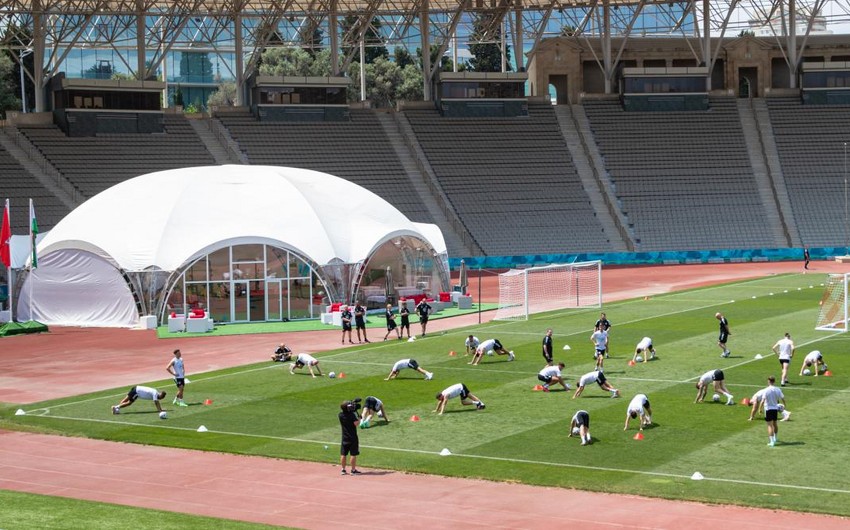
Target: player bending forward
pixel 305 359
pixel 595 377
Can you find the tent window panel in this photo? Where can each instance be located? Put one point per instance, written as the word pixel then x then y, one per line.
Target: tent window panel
pixel 198 271
pixel 248 253
pixel 175 300
pixel 276 263
pixel 196 295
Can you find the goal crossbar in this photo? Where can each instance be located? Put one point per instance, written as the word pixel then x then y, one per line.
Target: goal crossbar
pixel 523 292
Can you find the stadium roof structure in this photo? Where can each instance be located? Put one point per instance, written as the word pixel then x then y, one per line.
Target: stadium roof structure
pixel 152 28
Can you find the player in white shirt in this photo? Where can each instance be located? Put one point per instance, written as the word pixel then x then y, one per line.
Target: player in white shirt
pixel 178 372
pixel 580 425
pixel 140 392
pixel 457 390
pixel 645 348
pixel 305 359
pixel 408 363
pixel 784 348
pixel 716 378
pixel 595 377
pixel 813 360
pixel 471 344
pixel 639 406
pixel 552 374
pixel 486 347
pixel 600 345
pixel 772 398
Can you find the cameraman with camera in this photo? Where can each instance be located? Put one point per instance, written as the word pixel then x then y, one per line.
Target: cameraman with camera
pixel 350 445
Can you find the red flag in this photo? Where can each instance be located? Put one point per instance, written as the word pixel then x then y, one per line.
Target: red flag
pixel 5 238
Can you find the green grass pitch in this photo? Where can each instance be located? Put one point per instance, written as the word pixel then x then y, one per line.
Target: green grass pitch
pixel 522 435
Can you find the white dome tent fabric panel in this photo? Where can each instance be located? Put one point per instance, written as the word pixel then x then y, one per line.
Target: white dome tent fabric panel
pixel 77 288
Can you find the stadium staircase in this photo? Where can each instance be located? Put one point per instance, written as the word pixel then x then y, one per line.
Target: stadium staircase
pixel 219 151
pixel 458 240
pixel 683 178
pixel 357 150
pixel 93 163
pixel 754 135
pixel 810 142
pixel 576 133
pixel 511 181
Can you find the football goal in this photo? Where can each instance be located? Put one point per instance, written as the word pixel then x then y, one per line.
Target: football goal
pixel 523 292
pixel 833 304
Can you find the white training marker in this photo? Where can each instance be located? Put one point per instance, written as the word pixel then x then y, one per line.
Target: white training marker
pixel 799 288
pixel 731 301
pixel 697 476
pixel 771 294
pixel 566 346
pixel 20 412
pixel 785 291
pixel 754 297
pixel 202 429
pixel 758 356
pixel 445 452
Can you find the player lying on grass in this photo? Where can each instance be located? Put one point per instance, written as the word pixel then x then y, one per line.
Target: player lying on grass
pixel 488 346
pixel 718 379
pixel 639 406
pixel 595 377
pixel 457 390
pixel 552 375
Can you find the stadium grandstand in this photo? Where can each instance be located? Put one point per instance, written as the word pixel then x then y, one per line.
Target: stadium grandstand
pixel 614 126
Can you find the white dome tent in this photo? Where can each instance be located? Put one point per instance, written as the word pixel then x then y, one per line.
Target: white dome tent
pixel 247 243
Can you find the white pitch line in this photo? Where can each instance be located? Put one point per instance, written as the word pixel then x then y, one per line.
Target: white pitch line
pixel 478 457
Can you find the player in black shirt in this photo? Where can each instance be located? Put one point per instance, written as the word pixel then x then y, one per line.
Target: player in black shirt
pixel 350 444
pixel 391 325
pixel 547 347
pixel 360 321
pixel 604 325
pixel 346 324
pixel 724 334
pixel 424 310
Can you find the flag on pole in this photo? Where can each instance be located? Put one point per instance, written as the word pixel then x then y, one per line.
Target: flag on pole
pixel 5 238
pixel 33 234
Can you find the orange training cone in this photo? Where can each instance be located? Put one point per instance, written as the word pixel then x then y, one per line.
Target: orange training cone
pixel 452 353
pixel 827 373
pixel 414 418
pixel 631 363
pixel 341 375
pixel 537 387
pixel 208 401
pixel 745 401
pixel 639 436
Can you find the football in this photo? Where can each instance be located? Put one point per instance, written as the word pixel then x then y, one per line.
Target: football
pixel 489 352
pixel 163 415
pixel 716 397
pixel 639 359
pixel 332 375
pixel 575 430
pixel 807 372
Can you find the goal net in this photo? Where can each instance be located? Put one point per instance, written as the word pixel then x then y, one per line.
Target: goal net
pixel 523 292
pixel 833 304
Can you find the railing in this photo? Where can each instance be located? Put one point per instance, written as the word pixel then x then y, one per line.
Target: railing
pixel 431 180
pixel 223 136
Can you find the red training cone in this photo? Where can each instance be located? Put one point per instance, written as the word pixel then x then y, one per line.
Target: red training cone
pixel 414 418
pixel 745 401
pixel 827 373
pixel 537 388
pixel 341 375
pixel 631 363
pixel 452 353
pixel 639 436
pixel 207 401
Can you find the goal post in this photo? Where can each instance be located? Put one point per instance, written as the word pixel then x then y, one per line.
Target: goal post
pixel 833 304
pixel 523 292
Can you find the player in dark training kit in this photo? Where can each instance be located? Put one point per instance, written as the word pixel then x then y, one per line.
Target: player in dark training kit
pixel 724 334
